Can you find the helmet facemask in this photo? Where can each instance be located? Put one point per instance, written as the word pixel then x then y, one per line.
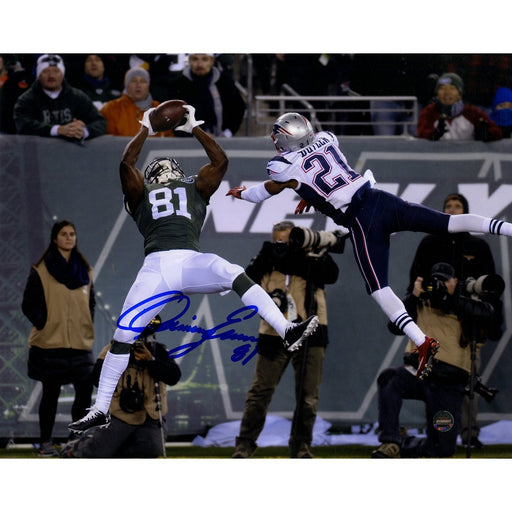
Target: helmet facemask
pixel 163 170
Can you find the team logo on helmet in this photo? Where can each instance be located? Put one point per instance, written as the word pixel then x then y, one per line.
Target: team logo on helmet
pixel 292 132
pixel 163 170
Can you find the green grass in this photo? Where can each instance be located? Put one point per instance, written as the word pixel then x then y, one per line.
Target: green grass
pixel 184 451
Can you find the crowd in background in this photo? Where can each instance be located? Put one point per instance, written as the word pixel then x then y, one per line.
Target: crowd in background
pixel 484 82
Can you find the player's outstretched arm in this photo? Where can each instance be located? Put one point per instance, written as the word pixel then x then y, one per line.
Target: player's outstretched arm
pixel 132 181
pixel 210 175
pixel 260 192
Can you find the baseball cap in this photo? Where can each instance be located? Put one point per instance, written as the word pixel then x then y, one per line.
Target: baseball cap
pixel 442 270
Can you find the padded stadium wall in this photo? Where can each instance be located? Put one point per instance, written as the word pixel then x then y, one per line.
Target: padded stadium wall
pixel 45 179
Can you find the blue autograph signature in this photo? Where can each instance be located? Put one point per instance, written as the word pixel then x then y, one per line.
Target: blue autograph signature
pixel 223 331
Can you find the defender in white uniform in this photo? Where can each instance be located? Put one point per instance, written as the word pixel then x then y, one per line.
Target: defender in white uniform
pixel 314 166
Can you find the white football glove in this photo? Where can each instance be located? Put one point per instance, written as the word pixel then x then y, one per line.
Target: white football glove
pixel 190 120
pixel 146 122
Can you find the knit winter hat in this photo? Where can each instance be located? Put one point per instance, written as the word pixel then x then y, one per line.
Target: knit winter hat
pixel 133 72
pixel 502 95
pixel 450 78
pixel 47 60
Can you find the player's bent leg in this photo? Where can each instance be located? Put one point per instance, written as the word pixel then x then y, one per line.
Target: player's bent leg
pixel 478 224
pixel 396 312
pixel 208 273
pixel 255 295
pixel 293 334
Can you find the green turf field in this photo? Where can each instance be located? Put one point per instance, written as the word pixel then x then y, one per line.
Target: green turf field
pixel 186 451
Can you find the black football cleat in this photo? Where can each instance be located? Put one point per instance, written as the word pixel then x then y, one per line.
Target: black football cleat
pixel 295 334
pixel 93 420
pixel 426 352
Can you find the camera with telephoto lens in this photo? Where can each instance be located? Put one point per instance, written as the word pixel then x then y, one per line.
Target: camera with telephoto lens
pixel 486 286
pixel 317 242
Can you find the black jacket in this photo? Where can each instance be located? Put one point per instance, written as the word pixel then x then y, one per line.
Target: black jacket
pixel 35 112
pixel 203 94
pixel 469 255
pixel 317 271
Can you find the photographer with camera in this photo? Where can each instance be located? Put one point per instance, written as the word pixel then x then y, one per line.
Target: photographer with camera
pixel 139 405
pixel 294 269
pixel 451 316
pixel 471 257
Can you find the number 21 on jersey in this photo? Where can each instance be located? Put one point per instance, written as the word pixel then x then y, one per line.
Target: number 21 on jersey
pixel 327 163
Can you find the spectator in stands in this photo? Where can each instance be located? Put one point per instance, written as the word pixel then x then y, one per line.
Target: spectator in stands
pixel 449 118
pixel 17 81
pixel 482 74
pixel 163 68
pixel 138 407
pixel 53 108
pixel 59 302
pixel 214 94
pixel 316 74
pixel 95 83
pixel 501 112
pixel 123 114
pixel 392 75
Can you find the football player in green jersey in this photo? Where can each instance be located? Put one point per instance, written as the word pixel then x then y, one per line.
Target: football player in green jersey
pixel 169 209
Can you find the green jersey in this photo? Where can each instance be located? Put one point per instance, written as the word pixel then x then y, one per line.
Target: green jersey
pixel 171 216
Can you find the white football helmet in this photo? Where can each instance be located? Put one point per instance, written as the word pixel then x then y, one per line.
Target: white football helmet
pixel 292 132
pixel 163 170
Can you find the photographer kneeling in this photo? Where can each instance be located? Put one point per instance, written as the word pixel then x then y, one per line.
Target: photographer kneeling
pixel 450 318
pixel 139 404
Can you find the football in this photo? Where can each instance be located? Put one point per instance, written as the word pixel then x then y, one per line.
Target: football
pixel 167 115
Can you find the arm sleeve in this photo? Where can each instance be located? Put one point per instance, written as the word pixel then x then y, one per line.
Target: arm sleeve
pixel 34 304
pixel 261 264
pixel 92 301
pixel 419 264
pixel 95 123
pixel 485 128
pixel 323 270
pixel 426 120
pixel 255 194
pixel 26 118
pixel 163 368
